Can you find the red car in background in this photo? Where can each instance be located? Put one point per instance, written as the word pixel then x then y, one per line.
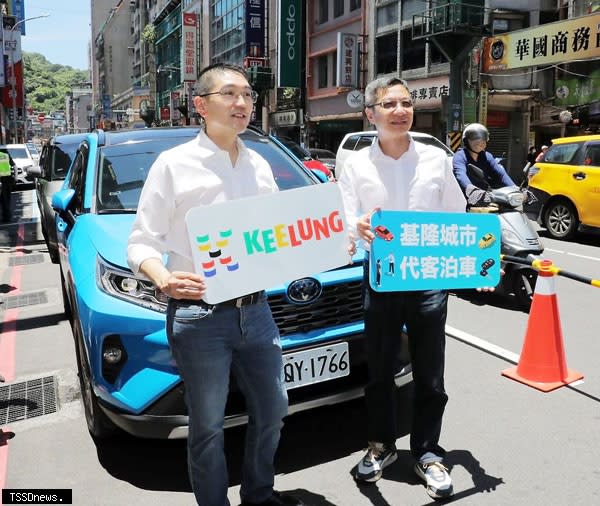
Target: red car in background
pixel 305 157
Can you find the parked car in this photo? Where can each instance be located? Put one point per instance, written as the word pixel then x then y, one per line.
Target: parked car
pixel 23 160
pixel 55 160
pixel 565 186
pixel 325 156
pixel 358 140
pixel 304 156
pixel 33 150
pixel 127 375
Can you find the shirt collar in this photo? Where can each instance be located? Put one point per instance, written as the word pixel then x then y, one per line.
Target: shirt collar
pixel 377 154
pixel 208 148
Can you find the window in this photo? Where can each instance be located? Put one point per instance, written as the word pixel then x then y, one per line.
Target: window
pixel 410 7
pixel 323 11
pixel 436 56
pixel 386 51
pixel 592 156
pixel 322 72
pixel 561 153
pixel 413 51
pixel 387 15
pixel 338 8
pixel 354 4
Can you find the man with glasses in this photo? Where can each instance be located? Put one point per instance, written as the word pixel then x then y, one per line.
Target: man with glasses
pixel 397 173
pixel 238 336
pixel 475 139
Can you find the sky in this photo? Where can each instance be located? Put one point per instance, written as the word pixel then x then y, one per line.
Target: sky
pixel 63 36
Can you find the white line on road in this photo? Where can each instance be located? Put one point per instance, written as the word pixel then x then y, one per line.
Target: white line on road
pixel 573 254
pixel 482 345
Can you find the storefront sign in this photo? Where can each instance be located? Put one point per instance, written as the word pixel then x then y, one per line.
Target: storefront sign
pixel 578 90
pixel 483 103
pixel 175 103
pixel 290 43
pixel 563 41
pixel 428 93
pixel 347 60
pixel 255 28
pixel 286 118
pixel 189 42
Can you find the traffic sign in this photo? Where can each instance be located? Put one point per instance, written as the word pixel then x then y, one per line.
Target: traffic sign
pixel 41 117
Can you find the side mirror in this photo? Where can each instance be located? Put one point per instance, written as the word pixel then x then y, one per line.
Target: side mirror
pixel 61 200
pixel 34 171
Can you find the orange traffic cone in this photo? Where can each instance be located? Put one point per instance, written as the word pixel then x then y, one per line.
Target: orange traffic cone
pixel 542 363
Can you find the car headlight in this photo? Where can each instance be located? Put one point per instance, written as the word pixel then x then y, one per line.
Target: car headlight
pixel 124 285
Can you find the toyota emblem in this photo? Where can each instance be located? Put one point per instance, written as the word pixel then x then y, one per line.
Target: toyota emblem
pixel 304 291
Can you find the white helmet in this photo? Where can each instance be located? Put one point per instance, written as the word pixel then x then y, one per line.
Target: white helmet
pixel 475 132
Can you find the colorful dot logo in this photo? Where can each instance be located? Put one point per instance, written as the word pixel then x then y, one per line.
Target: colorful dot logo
pixel 204 245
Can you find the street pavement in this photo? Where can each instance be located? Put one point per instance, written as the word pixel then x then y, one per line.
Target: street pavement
pixel 507 443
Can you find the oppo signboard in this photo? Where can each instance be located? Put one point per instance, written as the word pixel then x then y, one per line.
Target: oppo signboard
pixel 290 43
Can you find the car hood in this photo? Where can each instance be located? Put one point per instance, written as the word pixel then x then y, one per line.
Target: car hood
pixel 109 234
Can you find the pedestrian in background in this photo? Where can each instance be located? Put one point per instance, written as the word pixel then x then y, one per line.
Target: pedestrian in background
pixel 397 173
pixel 209 342
pixel 7 180
pixel 531 156
pixel 540 156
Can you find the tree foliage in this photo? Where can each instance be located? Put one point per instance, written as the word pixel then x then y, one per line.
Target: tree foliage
pixel 47 84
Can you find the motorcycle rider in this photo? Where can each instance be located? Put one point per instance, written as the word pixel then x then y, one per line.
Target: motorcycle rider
pixel 475 139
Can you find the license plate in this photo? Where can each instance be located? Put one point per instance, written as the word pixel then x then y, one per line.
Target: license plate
pixel 316 365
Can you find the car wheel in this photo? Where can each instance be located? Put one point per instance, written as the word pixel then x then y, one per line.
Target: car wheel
pixel 99 425
pixel 524 286
pixel 561 219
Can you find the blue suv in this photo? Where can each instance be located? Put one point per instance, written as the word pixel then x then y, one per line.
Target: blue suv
pixel 128 378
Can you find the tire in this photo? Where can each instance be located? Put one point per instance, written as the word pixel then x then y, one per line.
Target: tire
pixel 523 287
pixel 99 425
pixel 561 220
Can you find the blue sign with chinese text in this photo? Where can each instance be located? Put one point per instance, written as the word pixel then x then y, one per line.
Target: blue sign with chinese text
pixel 434 251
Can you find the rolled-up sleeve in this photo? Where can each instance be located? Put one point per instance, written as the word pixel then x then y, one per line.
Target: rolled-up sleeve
pixel 151 225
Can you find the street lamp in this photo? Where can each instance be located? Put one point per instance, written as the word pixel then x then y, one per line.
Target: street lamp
pixel 13 77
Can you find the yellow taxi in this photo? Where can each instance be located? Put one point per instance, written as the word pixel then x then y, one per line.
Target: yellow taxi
pixel 565 186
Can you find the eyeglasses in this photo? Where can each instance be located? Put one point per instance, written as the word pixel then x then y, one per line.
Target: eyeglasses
pixel 390 105
pixel 249 96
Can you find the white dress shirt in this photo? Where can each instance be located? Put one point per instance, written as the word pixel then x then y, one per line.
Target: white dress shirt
pixel 420 180
pixel 197 173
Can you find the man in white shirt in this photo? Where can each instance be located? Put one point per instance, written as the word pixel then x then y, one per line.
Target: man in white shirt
pixel 396 173
pixel 238 336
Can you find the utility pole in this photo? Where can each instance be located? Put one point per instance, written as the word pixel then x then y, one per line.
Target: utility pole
pixel 455 29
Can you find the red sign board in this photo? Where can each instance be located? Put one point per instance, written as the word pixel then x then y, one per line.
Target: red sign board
pixel 41 117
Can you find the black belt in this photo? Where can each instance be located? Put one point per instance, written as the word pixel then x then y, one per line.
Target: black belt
pixel 251 298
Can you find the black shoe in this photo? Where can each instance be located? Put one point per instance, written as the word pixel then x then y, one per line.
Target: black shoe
pixel 276 499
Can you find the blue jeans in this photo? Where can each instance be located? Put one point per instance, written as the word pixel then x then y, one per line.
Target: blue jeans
pixel 209 342
pixel 424 314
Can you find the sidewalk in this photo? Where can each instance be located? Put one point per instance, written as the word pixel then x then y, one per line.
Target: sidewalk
pixel 24 211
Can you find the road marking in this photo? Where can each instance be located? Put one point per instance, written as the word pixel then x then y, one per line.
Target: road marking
pixel 8 340
pixel 573 254
pixel 482 345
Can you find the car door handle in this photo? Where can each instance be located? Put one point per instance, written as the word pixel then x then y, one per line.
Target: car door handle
pixel 579 176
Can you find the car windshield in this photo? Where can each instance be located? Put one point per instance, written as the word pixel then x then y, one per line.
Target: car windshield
pixel 18 152
pixel 32 149
pixel 123 169
pixel 432 141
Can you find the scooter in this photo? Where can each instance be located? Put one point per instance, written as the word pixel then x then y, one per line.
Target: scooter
pixel 519 239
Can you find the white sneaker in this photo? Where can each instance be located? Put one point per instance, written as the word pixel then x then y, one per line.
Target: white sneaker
pixel 378 457
pixel 437 479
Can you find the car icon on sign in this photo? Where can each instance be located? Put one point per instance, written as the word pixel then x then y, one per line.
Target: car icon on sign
pixel 383 233
pixel 486 241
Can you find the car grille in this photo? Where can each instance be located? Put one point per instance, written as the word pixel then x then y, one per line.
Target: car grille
pixel 338 305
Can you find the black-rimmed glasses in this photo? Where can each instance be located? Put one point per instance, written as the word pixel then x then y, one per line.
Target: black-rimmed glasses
pixel 249 96
pixel 390 105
